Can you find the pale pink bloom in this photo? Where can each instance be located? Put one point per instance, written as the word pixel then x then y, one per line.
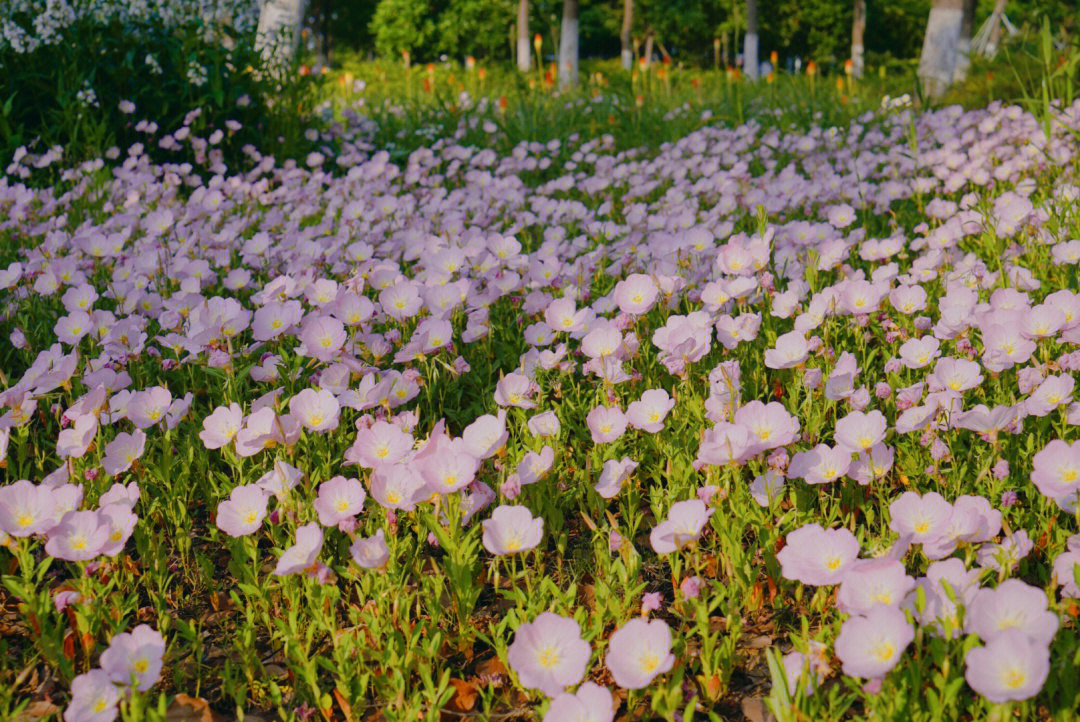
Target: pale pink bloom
pixel 148 407
pixel 684 524
pixel 791 350
pixel 591 703
pixel 636 294
pixel 80 536
pixel 281 479
pixel 514 390
pixel 485 436
pixel 323 337
pixel 922 518
pixel 613 475
pixel 243 512
pixel 533 466
pixel 771 425
pixel 27 509
pixel 872 582
pixel 222 426
pixel 956 374
pixel 339 499
pixel 122 521
pixel 75 441
pixel 302 555
pixel 1012 605
pixel 1010 667
pixel 821 465
pixel 870 646
pixel 136 655
pixel 816 556
pixel 94 698
pixel 606 424
pixel 648 413
pixel 315 410
pixel 398 486
pixel 371 553
pixel 121 452
pixel 120 494
pixel 544 425
pixel 859 431
pixel 549 654
pixel 380 444
pixel 512 529
pixel 452 470
pixel 562 315
pixel 639 652
pixel 915 353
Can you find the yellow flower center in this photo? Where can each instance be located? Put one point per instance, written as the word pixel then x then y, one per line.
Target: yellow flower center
pixel 548 657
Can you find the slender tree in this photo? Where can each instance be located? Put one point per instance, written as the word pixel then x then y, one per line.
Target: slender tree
pixel 625 36
pixel 278 34
pixel 996 21
pixel 568 44
pixel 858 29
pixel 750 46
pixel 523 40
pixel 937 65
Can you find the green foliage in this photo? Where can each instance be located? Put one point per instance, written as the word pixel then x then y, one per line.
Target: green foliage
pixel 405 25
pixel 482 28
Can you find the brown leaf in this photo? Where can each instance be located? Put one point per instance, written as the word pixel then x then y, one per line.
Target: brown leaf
pixel 491 667
pixel 755 710
pixel 69 646
pixel 464 698
pixel 346 708
pixel 37 710
pixel 186 708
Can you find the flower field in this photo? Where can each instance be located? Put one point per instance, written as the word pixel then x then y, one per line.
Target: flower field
pixel 764 421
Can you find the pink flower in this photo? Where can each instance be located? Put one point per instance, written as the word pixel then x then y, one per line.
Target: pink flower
pixel 323 337
pixel 1012 605
pixel 606 424
pixel 613 475
pixel 1056 469
pixel 486 435
pixel 302 555
pixel 871 645
pixel 684 524
pixel 771 424
pixel 821 465
pixel 639 652
pixel 514 390
pixel 860 431
pixel 80 536
pixel 591 703
pixel 398 486
pixel 869 583
pixel 243 512
pixel 921 517
pixel 649 412
pixel 74 442
pixel 636 294
pixel 148 407
pixel 135 655
pixel 221 427
pixel 791 350
pixel 122 521
pixel 339 499
pixel 545 425
pixel 371 553
pixel 121 452
pixel 315 410
pixel 549 654
pixel 1010 667
pixel 452 470
pixel 380 444
pixel 817 556
pixel 94 698
pixel 511 529
pixel 26 509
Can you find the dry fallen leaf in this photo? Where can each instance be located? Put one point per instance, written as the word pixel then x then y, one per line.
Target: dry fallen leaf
pixel 186 708
pixel 464 698
pixel 37 710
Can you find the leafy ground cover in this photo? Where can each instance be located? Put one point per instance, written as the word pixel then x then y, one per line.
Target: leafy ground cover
pixel 773 412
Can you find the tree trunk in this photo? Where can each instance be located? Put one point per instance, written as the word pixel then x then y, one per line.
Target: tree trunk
pixel 995 28
pixel 858 29
pixel 649 40
pixel 625 36
pixel 524 60
pixel 939 54
pixel 963 48
pixel 278 34
pixel 750 46
pixel 568 45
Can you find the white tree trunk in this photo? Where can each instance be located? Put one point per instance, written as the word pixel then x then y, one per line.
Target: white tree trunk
pixel 939 54
pixel 278 34
pixel 626 35
pixel 568 45
pixel 750 46
pixel 524 62
pixel 858 29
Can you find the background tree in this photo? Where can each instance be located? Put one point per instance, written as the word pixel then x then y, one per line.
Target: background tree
pixel 278 33
pixel 858 29
pixel 524 39
pixel 750 45
pixel 937 64
pixel 400 25
pixel 568 44
pixel 626 35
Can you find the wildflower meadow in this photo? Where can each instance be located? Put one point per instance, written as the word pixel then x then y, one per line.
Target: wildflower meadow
pixel 666 400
